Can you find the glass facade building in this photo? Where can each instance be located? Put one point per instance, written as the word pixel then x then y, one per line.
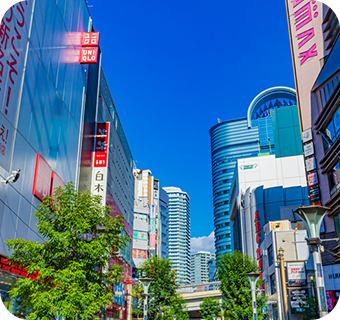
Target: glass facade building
pixel 247 137
pixel 50 105
pixel 179 233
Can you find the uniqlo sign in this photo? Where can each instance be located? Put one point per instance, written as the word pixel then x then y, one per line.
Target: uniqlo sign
pixel 88 56
pixel 90 39
pixel 42 178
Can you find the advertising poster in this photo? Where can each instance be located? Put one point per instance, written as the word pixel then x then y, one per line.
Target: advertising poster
pixel 296 274
pixel 312 178
pixel 333 300
pixel 307 135
pixel 297 297
pixel 308 149
pixel 310 164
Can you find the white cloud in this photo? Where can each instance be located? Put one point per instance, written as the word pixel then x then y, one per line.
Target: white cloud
pixel 203 243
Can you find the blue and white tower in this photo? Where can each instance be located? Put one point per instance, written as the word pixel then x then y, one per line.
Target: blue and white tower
pixel 251 136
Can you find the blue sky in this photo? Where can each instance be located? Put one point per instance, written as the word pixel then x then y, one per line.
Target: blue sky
pixel 176 66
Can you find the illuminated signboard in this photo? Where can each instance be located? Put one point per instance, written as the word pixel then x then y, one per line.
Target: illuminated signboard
pixel 89 56
pixel 258 242
pixel 42 178
pixel 307 135
pixel 296 272
pixel 312 178
pixel 308 149
pixel 100 159
pixel 56 182
pixel 310 164
pixel 90 39
pixel 15 269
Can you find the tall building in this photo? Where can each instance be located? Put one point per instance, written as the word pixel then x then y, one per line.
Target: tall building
pixel 150 224
pixel 179 233
pixel 199 266
pixel 252 136
pixel 164 223
pixel 315 48
pixel 56 113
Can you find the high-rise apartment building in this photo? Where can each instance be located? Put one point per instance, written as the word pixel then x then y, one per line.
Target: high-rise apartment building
pixel 251 136
pixel 150 224
pixel 179 233
pixel 199 266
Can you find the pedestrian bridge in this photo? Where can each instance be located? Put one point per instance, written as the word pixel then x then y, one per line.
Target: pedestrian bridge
pixel 194 294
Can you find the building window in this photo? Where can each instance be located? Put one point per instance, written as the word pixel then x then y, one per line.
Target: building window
pixel 270 256
pixel 334 179
pixel 272 284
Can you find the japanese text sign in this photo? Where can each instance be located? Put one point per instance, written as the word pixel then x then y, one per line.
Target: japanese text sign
pixel 100 159
pixel 42 178
pixel 88 56
pixel 14 27
pixel 90 39
pixel 296 274
pixel 101 145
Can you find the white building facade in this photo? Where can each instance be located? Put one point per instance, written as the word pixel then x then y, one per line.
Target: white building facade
pixel 199 266
pixel 179 233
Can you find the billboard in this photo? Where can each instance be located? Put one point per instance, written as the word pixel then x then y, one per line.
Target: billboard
pixel 305 28
pixel 100 160
pixel 296 274
pixel 14 28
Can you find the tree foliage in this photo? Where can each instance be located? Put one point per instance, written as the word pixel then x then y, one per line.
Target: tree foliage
pixel 72 271
pixel 209 307
pixel 163 301
pixel 310 308
pixel 237 302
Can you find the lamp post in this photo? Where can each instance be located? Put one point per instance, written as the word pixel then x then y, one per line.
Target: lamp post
pixel 146 283
pixel 313 216
pixel 222 312
pixel 284 283
pixel 311 278
pixel 253 277
pixel 175 317
pixel 214 317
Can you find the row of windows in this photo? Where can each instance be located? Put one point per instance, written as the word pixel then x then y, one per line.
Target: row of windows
pixel 223 181
pixel 326 91
pixel 220 248
pixel 221 225
pixel 225 213
pixel 222 203
pixel 223 236
pixel 221 192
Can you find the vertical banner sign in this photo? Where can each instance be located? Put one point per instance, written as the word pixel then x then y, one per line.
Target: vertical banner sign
pixel 42 178
pixel 305 25
pixel 258 240
pixel 296 274
pixel 14 29
pixel 100 160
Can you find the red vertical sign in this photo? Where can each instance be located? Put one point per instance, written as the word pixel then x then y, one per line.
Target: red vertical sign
pixel 42 178
pixel 101 146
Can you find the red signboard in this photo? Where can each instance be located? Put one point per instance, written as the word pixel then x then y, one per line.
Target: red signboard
pixel 88 56
pixel 101 146
pixel 42 178
pixel 14 268
pixel 90 39
pixel 56 182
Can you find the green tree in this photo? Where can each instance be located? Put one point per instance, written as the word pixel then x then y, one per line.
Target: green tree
pixel 163 301
pixel 310 308
pixel 69 273
pixel 209 307
pixel 232 269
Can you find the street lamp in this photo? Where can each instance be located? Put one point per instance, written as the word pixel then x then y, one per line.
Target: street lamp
pixel 175 317
pixel 146 283
pixel 311 278
pixel 313 216
pixel 221 307
pixel 253 277
pixel 284 283
pixel 214 317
